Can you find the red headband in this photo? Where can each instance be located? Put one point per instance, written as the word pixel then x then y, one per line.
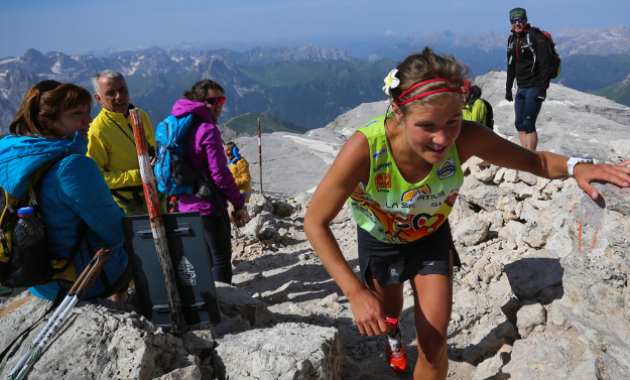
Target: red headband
pixel 428 93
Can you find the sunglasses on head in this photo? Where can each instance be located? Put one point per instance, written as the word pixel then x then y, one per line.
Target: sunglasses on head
pixel 521 20
pixel 215 101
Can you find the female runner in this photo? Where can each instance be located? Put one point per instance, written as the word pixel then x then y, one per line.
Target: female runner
pixel 402 173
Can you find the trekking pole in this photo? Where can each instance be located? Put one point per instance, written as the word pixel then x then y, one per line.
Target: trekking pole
pixel 157 223
pixel 259 157
pixel 78 290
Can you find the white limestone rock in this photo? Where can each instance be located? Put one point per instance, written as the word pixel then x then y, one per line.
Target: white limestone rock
pixel 530 316
pixel 286 351
pixel 471 231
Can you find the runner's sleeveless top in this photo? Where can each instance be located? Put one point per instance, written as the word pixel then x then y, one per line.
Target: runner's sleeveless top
pixel 395 211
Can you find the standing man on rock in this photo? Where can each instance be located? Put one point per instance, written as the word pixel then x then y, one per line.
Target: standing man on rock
pixel 529 61
pixel 112 144
pixel 240 170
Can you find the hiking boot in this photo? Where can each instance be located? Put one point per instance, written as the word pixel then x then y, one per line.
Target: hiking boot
pixel 395 353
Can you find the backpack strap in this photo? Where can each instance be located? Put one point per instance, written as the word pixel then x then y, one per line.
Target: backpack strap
pixel 531 48
pixel 135 193
pixel 509 47
pixel 102 275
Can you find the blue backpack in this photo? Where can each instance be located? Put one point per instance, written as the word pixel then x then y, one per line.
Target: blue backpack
pixel 173 173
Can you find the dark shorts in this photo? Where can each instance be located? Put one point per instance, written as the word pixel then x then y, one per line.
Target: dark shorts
pixel 397 263
pixel 526 109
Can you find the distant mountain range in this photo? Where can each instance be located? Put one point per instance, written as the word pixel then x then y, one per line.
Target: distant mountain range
pixel 306 85
pixel 619 92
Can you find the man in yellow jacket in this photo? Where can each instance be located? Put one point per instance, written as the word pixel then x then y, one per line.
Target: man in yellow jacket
pixel 240 170
pixel 112 144
pixel 474 110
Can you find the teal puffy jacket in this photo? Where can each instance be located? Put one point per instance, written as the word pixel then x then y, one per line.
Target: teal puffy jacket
pixel 71 191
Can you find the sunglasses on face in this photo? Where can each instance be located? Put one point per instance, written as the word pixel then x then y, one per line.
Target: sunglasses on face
pixel 215 101
pixel 520 20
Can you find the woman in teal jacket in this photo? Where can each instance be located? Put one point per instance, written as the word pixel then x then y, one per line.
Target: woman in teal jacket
pixel 52 122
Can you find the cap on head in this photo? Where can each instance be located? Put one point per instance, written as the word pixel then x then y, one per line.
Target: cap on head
pixel 518 13
pixel 467 86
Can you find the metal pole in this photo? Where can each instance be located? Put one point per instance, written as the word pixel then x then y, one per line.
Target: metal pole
pixel 157 223
pixel 259 157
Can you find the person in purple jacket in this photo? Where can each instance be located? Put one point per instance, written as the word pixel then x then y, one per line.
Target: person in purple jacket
pixel 205 150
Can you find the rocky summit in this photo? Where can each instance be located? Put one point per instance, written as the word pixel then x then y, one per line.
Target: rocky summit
pixel 542 292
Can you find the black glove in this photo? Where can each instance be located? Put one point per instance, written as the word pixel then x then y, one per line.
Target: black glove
pixel 542 94
pixel 508 95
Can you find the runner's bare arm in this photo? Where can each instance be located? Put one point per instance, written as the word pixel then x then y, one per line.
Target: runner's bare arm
pixel 351 166
pixel 477 140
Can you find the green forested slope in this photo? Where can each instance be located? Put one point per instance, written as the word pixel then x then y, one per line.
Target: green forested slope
pixel 248 123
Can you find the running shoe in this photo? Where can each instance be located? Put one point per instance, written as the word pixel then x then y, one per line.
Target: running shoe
pixel 395 352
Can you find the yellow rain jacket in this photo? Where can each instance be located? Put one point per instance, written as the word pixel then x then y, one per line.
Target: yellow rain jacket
pixel 240 172
pixel 475 111
pixel 112 146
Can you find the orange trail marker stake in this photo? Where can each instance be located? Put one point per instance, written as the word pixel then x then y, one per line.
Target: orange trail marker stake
pixel 157 223
pixel 259 157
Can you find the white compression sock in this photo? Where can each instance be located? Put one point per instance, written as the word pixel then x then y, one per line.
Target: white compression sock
pixel 395 341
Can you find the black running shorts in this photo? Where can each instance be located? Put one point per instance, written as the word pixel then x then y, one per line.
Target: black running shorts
pixel 396 263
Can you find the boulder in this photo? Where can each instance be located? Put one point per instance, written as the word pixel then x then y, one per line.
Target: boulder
pixel 477 193
pixel 235 301
pixel 282 209
pixel 198 340
pixel 258 203
pixel 492 366
pixel 537 237
pixel 192 372
pixel 530 316
pixel 97 342
pixel 269 234
pixel 532 360
pixel 619 151
pixel 533 273
pixel 513 232
pixel 286 351
pixel 471 231
pixel 528 178
pixel 616 198
pixel 256 224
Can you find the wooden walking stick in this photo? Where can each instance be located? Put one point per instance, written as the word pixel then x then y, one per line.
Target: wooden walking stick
pixel 157 223
pixel 259 157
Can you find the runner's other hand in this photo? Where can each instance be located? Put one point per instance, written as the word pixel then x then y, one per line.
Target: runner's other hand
pixel 508 95
pixel 542 95
pixel 586 173
pixel 368 313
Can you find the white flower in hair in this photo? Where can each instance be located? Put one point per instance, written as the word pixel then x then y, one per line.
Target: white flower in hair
pixel 391 82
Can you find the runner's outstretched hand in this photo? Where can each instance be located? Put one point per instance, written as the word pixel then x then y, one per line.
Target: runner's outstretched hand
pixel 586 173
pixel 368 313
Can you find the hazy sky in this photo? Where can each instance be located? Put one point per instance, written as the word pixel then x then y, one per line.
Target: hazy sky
pixel 78 26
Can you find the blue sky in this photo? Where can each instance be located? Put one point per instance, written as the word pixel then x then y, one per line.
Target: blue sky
pixel 74 26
